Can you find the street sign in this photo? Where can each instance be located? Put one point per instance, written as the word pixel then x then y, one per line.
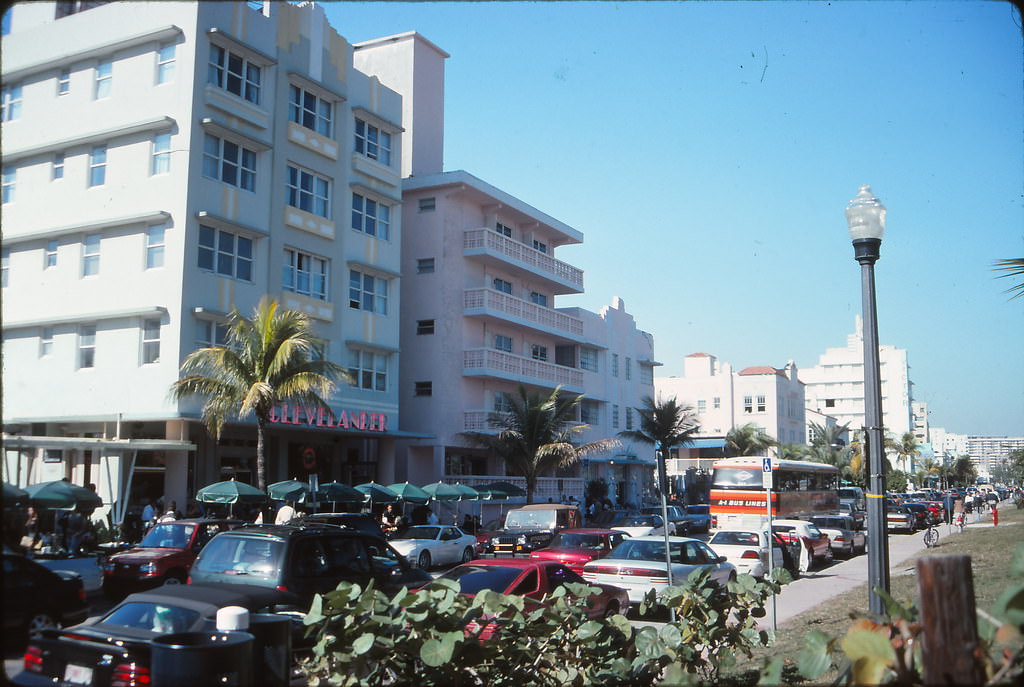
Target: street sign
pixel 766 473
pixel 766 465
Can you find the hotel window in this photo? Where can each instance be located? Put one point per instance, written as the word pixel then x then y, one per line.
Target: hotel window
pixel 760 404
pixel 629 368
pixel 46 342
pixel 224 253
pixel 57 172
pixel 538 352
pixel 629 419
pixel 310 111
pixel 503 343
pixel 647 375
pixel 502 229
pixel 66 8
pixel 150 341
pixel 615 364
pixel 373 142
pixel 588 359
pixel 305 274
pixel 104 79
pixel 370 217
pixel 155 246
pixel 91 255
pixel 165 59
pixel 10 180
pixel 702 405
pixel 539 299
pixel 50 259
pixel 424 327
pixel 367 293
pixel 423 389
pixel 502 285
pixel 87 346
pixel 10 108
pixel 590 413
pixel 210 334
pixel 716 402
pixel 98 166
pixel 748 404
pixel 615 417
pixel 234 73
pixel 64 81
pixel 424 265
pixel 308 191
pixel 541 246
pixel 229 162
pixel 427 204
pixel 161 154
pixel 368 370
pixel 503 402
pixel 830 403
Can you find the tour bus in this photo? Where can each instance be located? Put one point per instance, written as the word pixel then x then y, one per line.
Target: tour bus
pixel 799 489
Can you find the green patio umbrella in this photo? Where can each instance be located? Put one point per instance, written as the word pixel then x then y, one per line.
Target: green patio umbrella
pixel 336 492
pixel 61 494
pixel 289 490
pixel 468 492
pixel 13 495
pixel 377 493
pixel 442 491
pixel 410 493
pixel 230 491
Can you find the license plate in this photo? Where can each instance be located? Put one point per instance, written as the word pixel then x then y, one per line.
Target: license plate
pixel 78 675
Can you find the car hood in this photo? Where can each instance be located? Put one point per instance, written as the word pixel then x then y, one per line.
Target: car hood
pixel 143 555
pixel 566 554
pixel 407 545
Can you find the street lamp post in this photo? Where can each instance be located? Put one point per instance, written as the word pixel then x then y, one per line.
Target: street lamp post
pixel 865 216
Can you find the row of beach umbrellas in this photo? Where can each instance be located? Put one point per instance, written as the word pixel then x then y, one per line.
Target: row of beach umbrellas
pixel 55 494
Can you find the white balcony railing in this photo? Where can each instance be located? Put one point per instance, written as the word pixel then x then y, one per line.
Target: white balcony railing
pixel 499 244
pixel 509 366
pixel 504 304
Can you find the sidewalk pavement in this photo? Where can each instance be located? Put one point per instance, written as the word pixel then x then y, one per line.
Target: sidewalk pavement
pixel 818 586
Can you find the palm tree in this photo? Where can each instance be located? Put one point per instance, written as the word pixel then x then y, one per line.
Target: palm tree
pixel 268 358
pixel 748 440
pixel 536 435
pixel 663 424
pixel 906 448
pixel 1012 267
pixel 828 446
pixel 930 468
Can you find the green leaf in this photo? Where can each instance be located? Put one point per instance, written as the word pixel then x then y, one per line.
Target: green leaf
pixel 771 672
pixel 363 643
pixel 588 630
pixel 315 614
pixel 437 652
pixel 815 657
pixel 1017 562
pixel 871 655
pixel 1010 605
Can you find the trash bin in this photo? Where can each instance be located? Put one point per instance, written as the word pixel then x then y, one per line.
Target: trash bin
pixel 189 659
pixel 271 649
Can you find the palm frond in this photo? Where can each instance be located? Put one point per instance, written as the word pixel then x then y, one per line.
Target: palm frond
pixel 1014 269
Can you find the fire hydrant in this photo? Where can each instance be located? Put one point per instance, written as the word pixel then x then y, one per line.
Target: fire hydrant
pixel 995 515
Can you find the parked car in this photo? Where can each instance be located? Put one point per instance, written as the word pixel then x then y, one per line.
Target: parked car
pixel 114 649
pixel 936 512
pixel 679 524
pixel 815 547
pixel 857 514
pixel 605 518
pixel 845 541
pixel 305 559
pixel 640 525
pixel 362 522
pixel 165 555
pixel 574 548
pixel 484 536
pixel 747 550
pixel 532 527
pixel 922 515
pixel 36 599
pixel 899 519
pixel 534 580
pixel 427 545
pixel 698 518
pixel 638 564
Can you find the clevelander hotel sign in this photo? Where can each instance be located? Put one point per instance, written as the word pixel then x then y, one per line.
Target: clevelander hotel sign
pixel 314 416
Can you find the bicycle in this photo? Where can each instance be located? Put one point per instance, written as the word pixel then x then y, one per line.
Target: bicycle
pixel 959 521
pixel 931 537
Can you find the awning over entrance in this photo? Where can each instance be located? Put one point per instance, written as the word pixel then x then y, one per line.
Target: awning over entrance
pixel 17 442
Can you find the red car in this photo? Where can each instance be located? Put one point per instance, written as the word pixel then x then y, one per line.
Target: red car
pixel 165 555
pixel 576 547
pixel 533 579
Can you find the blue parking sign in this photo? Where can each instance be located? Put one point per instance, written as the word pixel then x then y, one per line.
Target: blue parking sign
pixel 766 465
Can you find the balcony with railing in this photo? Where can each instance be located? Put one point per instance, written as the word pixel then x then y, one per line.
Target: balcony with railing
pixel 491 303
pixel 490 244
pixel 487 362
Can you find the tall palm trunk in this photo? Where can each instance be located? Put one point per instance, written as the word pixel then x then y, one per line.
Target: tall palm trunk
pixel 261 457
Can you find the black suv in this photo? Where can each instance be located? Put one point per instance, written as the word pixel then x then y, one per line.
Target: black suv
pixel 304 559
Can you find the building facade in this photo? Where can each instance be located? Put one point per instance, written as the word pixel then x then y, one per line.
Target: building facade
pixel 164 163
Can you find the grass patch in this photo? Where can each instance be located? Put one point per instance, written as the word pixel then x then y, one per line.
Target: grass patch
pixel 990 549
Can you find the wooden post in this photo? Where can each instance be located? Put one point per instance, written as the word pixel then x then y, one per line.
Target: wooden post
pixel 949 622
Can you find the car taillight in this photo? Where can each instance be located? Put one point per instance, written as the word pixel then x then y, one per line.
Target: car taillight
pixel 129 675
pixel 33 660
pixel 840 538
pixel 751 554
pixel 81 593
pixel 281 588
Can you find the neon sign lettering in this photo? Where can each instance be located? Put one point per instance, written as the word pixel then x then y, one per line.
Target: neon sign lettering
pixel 314 416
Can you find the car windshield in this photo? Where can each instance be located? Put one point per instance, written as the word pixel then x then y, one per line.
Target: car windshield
pixel 242 556
pixel 530 518
pixel 698 510
pixel 632 549
pixel 474 579
pixel 636 521
pixel 419 532
pixel 151 617
pixel 735 539
pixel 169 536
pixel 574 540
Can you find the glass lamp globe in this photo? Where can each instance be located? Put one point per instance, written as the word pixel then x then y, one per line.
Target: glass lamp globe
pixel 865 216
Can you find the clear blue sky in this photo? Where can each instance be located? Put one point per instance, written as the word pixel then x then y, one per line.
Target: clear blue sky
pixel 707 151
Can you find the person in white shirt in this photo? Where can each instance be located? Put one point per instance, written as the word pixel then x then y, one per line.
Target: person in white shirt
pixel 284 513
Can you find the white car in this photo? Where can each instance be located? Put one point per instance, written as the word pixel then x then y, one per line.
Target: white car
pixel 429 545
pixel 638 565
pixel 640 525
pixel 747 550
